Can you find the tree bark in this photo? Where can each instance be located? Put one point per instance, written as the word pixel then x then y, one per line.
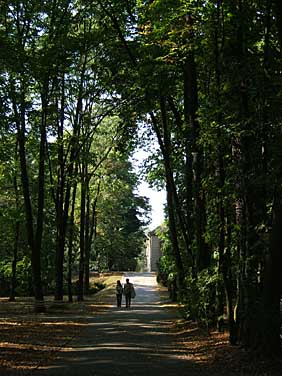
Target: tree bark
pixel 271 321
pixel 16 243
pixel 66 185
pixel 80 286
pixel 269 340
pixel 35 251
pixel 194 155
pixel 70 246
pixel 242 148
pixel 224 242
pixel 165 146
pixel 61 200
pixel 87 241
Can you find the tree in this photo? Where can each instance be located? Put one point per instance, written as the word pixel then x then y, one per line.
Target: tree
pixel 121 217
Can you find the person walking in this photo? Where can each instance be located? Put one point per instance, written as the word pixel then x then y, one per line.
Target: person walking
pixel 119 291
pixel 129 293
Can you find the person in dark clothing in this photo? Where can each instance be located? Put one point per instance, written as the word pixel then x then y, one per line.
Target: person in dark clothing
pixel 119 291
pixel 129 292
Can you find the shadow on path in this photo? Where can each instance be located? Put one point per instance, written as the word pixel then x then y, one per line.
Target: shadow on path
pixel 122 341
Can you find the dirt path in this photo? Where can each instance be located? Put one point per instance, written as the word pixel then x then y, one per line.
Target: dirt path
pixel 127 342
pixel 94 337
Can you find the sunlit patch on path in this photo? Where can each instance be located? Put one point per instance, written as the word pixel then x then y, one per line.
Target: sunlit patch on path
pixel 120 341
pixel 99 339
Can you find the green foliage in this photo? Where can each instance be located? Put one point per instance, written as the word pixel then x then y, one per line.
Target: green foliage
pixel 24 283
pixel 199 297
pixel 120 227
pixel 96 287
pixel 5 276
pixel 167 270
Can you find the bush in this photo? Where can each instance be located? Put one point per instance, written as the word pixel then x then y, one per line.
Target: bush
pixel 96 287
pixel 198 298
pixel 24 279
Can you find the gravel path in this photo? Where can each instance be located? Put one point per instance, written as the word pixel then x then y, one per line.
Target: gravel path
pixel 120 341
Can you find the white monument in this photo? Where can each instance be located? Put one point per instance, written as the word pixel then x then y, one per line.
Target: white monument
pixel 153 251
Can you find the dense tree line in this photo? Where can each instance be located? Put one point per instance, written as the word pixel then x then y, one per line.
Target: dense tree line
pixel 215 99
pixel 204 79
pixel 67 183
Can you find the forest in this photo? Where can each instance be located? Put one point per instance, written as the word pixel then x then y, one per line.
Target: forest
pixel 83 84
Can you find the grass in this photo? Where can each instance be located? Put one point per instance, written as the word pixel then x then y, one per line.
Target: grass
pixel 25 305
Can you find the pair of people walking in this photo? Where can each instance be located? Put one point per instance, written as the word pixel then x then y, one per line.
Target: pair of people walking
pixel 127 290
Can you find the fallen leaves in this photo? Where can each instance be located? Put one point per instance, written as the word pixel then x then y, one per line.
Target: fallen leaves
pixel 29 341
pixel 213 352
pixel 26 342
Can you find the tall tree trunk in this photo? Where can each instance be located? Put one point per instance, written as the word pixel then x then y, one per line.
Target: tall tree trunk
pixel 194 154
pixel 70 246
pixel 224 243
pixel 229 285
pixel 35 251
pixel 90 229
pixel 184 211
pixel 165 146
pixel 93 221
pixel 67 184
pixel 87 240
pixel 94 214
pixel 60 215
pixel 246 316
pixel 14 262
pixel 16 241
pixel 41 191
pixel 271 320
pixel 270 340
pixel 83 195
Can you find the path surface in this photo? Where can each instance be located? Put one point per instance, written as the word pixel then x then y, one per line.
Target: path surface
pixel 122 341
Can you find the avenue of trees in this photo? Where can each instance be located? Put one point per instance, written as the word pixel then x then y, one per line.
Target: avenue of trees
pixel 203 78
pixel 68 201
